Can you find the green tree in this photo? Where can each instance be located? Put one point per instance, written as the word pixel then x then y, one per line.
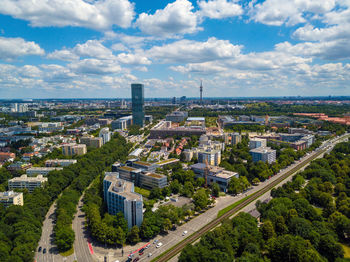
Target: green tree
pixel 267 230
pixel 133 236
pixel 215 189
pixel 201 199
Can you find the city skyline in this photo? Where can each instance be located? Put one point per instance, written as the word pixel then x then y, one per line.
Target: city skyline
pixel 96 49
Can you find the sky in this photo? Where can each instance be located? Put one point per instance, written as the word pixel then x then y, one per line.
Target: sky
pixel 97 48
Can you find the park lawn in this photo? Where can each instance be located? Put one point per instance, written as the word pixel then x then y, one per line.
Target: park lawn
pixel 346 250
pixel 142 191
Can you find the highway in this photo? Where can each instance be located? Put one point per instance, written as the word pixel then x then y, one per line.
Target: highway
pixel 326 147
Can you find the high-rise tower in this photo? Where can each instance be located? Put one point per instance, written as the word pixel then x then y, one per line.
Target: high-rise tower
pixel 201 93
pixel 138 111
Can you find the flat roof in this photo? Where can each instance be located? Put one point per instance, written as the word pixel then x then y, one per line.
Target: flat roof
pixel 262 150
pixel 168 161
pixel 196 119
pixel 142 163
pixel 122 187
pixel 155 175
pixel 127 168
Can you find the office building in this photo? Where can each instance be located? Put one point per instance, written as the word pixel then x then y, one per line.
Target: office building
pixel 120 196
pixel 105 134
pixel 257 142
pixel 73 149
pixel 265 154
pixel 122 123
pixel 164 129
pixel 90 141
pixel 41 170
pixel 29 183
pixel 235 138
pixel 145 166
pixel 9 198
pixel 173 100
pixel 60 162
pixel 50 127
pixel 213 157
pixel 142 178
pixel 177 116
pixel 138 111
pixel 215 174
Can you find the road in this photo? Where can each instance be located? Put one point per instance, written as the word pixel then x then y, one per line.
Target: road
pixel 47 239
pixel 326 147
pixel 194 226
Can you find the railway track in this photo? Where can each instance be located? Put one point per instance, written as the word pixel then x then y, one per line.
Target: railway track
pixel 177 248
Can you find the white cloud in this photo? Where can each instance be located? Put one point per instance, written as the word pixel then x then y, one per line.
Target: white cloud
pixel 194 51
pixel 95 67
pixel 277 13
pixel 64 55
pixel 133 59
pixel 93 48
pixel 99 14
pixel 219 9
pixel 310 33
pixel 176 18
pixel 11 48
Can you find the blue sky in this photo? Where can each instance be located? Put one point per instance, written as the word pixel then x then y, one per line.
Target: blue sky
pixel 97 48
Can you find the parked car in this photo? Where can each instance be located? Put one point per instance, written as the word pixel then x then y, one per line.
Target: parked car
pixel 159 245
pixel 155 241
pixel 136 259
pixel 148 246
pixel 149 254
pixel 39 249
pixel 44 251
pixel 184 233
pixel 141 250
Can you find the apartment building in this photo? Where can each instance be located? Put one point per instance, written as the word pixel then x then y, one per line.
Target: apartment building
pixel 29 183
pixel 9 198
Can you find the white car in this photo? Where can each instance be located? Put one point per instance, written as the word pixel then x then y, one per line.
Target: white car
pixel 184 233
pixel 159 245
pixel 149 254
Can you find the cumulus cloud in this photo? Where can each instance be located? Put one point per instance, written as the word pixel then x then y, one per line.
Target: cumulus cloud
pixel 64 55
pixel 11 48
pixel 176 18
pixel 93 48
pixel 99 14
pixel 133 59
pixel 276 12
pixel 194 51
pixel 95 67
pixel 218 9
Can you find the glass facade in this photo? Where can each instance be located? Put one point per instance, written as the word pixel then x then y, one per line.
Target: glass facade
pixel 138 112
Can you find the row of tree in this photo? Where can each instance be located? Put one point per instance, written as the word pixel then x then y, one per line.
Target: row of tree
pixel 95 162
pixel 305 221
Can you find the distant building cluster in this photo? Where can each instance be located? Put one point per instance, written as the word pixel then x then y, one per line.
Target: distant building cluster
pixel 165 129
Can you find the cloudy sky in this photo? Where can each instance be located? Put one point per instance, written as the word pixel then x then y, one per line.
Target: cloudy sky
pixel 97 48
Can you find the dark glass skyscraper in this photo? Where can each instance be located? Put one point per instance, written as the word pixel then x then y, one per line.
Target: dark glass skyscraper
pixel 138 111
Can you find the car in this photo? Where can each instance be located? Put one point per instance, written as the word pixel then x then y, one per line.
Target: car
pixel 148 246
pixel 136 259
pixel 39 249
pixel 155 241
pixel 141 250
pixel 149 254
pixel 44 250
pixel 184 233
pixel 159 245
pixel 129 259
pixel 141 253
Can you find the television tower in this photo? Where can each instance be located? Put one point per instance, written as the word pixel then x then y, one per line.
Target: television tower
pixel 201 93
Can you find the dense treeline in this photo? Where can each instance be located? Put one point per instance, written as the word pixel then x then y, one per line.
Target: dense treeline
pixel 20 226
pixel 274 109
pixel 87 169
pixel 306 220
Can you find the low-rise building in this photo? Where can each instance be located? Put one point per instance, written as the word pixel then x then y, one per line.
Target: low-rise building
pixel 177 116
pixel 166 162
pixel 212 157
pixel 141 178
pixel 265 154
pixel 145 166
pixel 50 127
pixel 120 196
pixel 9 198
pixel 95 142
pixel 60 162
pixel 235 138
pixel 7 156
pixel 165 129
pixel 19 166
pixel 73 149
pixel 41 170
pixel 29 183
pixel 215 175
pixel 257 142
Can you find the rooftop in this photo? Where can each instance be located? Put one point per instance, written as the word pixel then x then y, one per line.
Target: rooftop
pixel 30 178
pixel 155 175
pixel 122 187
pixel 142 163
pixel 262 150
pixel 127 168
